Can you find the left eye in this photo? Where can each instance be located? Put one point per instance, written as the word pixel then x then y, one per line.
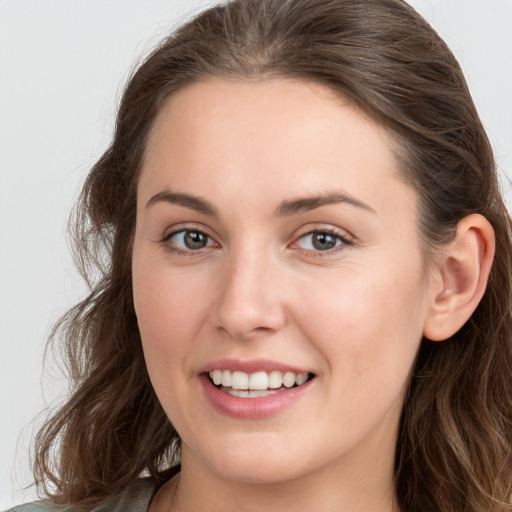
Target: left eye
pixel 320 241
pixel 188 239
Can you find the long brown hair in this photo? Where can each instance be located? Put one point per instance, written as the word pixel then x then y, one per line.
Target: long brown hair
pixel 454 446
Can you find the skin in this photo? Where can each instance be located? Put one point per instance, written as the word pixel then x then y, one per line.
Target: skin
pixel 353 315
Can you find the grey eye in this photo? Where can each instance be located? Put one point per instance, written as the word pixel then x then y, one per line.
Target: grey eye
pixel 190 240
pixel 320 241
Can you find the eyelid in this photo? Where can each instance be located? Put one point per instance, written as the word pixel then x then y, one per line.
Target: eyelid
pixel 345 238
pixel 175 230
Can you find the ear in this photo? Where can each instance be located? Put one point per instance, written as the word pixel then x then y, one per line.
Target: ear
pixel 460 277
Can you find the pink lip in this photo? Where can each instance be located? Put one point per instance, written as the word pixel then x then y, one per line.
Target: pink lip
pixel 249 366
pixel 251 408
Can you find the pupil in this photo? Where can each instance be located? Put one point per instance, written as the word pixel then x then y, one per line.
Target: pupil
pixel 195 240
pixel 323 241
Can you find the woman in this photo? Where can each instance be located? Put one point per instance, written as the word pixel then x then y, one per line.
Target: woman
pixel 307 298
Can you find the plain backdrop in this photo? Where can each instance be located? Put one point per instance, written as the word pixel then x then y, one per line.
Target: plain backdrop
pixel 62 66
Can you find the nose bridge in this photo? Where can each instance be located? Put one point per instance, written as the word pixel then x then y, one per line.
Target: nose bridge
pixel 248 301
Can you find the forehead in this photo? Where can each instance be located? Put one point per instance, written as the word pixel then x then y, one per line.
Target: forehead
pixel 268 137
pixel 258 111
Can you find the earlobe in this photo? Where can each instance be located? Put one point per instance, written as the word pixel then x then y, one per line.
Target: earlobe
pixel 463 270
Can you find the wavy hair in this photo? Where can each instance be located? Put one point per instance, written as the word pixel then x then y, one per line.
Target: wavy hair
pixel 454 445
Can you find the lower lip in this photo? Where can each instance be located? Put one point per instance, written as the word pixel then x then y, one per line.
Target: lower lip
pixel 251 408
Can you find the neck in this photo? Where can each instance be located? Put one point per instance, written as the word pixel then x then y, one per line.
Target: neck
pixel 352 486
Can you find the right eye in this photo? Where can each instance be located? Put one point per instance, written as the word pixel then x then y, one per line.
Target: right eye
pixel 187 240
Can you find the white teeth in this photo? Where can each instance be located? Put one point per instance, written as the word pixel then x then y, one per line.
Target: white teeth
pixel 252 393
pixel 301 378
pixel 258 381
pixel 239 380
pixel 262 392
pixel 226 378
pixel 275 380
pixel 289 379
pixel 216 377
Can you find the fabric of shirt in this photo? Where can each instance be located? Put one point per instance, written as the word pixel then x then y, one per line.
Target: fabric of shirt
pixel 135 498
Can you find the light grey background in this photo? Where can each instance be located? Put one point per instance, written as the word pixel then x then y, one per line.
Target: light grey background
pixel 62 66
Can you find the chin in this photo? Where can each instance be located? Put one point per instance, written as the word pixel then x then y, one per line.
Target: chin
pixel 258 471
pixel 257 462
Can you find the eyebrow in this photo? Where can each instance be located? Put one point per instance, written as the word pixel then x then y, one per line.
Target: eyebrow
pixel 192 202
pixel 302 205
pixel 285 209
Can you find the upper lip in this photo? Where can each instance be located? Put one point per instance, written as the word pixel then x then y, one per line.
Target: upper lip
pixel 250 366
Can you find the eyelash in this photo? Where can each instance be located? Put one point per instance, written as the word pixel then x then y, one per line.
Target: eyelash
pixel 177 250
pixel 342 241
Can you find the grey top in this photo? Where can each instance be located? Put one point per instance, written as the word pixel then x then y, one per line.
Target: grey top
pixel 135 499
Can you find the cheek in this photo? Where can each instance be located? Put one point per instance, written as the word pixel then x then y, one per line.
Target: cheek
pixel 150 304
pixel 167 323
pixel 167 301
pixel 369 325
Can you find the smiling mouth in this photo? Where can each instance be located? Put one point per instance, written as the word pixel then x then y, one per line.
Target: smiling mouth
pixel 257 384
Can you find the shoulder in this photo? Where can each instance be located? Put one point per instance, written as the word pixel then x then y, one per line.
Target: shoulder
pixel 37 506
pixel 134 499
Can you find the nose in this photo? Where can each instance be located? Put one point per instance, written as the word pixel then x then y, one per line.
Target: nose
pixel 250 298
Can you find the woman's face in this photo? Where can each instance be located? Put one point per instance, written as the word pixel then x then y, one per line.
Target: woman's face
pixel 275 243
